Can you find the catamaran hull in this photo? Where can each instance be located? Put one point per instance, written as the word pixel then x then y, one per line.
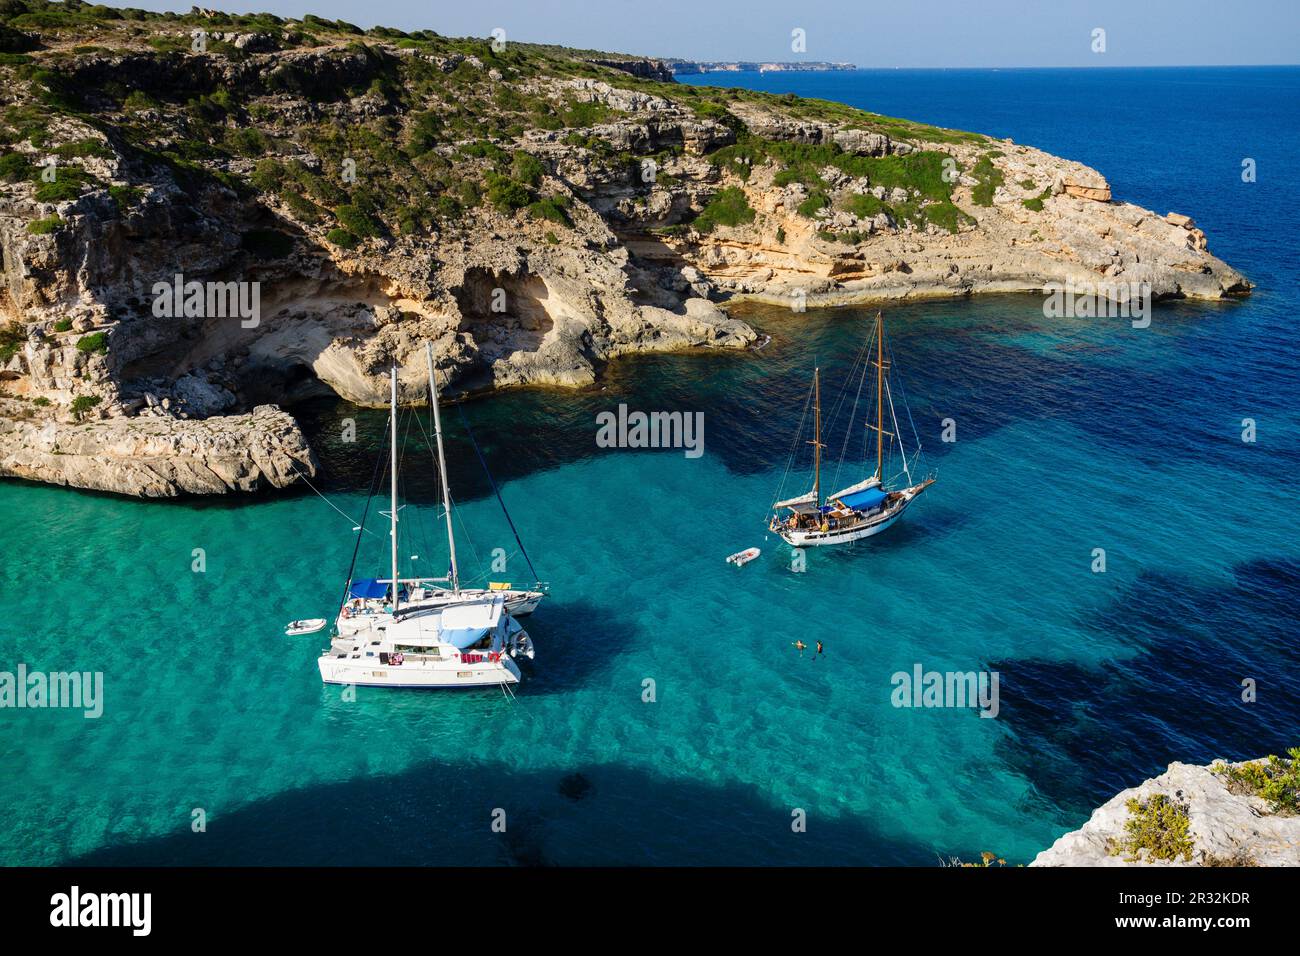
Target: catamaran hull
pixel 451 677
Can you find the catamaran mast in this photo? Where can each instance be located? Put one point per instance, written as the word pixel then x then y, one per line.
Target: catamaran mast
pixel 392 417
pixel 880 396
pixel 442 466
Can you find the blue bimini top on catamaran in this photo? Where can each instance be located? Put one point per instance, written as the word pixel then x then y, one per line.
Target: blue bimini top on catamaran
pixel 369 588
pixel 863 500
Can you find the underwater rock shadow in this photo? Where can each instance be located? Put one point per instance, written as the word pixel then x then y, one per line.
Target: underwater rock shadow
pixel 1081 734
pixel 442 814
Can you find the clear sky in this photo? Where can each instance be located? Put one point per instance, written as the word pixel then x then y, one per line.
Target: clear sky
pixel 870 33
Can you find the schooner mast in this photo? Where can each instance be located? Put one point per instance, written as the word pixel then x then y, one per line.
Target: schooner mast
pixel 817 438
pixel 880 398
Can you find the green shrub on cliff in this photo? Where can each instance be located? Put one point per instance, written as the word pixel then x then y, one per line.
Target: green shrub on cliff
pixel 729 207
pixel 342 238
pixel 12 337
pixel 526 168
pixel 1157 829
pixel 945 215
pixel 1035 203
pixel 84 403
pixel 1276 780
pixel 990 178
pixel 96 343
pixel 865 206
pixel 356 221
pixel 43 227
pixel 15 167
pixel 66 186
pixel 506 194
pixel 552 209
pixel 124 197
pixel 816 201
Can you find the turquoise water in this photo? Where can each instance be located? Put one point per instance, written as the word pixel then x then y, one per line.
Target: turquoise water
pixel 1072 435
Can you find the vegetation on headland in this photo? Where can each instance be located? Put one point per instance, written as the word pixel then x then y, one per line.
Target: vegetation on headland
pixel 444 137
pixel 1275 779
pixel 728 207
pixel 923 175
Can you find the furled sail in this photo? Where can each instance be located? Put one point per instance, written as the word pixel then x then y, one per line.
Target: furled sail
pixel 872 482
pixel 805 501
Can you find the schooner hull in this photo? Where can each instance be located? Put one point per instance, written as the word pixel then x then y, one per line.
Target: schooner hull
pixel 814 537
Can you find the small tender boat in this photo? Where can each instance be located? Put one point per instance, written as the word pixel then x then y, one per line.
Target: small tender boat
pixel 741 558
pixel 309 626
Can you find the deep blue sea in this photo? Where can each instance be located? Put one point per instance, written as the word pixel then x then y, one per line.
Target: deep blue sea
pixel 1072 435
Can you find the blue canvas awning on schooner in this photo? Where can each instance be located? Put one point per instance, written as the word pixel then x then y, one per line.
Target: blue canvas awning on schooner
pixel 863 500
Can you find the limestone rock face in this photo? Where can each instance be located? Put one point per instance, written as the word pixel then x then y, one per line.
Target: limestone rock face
pixel 159 457
pixel 1224 827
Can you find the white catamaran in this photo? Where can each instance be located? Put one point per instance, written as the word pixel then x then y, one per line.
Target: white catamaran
pixel 867 507
pixel 427 632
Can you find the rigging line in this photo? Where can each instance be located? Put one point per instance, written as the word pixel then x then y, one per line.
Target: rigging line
pixel 833 420
pixel 361 528
pixel 893 414
pixel 907 407
pixel 351 520
pixel 418 535
pixel 497 491
pixel 857 399
pixel 425 540
pixel 896 438
pixel 794 450
pixel 466 539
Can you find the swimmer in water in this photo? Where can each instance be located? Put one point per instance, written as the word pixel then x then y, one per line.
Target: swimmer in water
pixel 802 647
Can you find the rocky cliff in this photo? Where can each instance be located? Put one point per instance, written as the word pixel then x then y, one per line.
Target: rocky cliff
pixel 204 214
pixel 1208 816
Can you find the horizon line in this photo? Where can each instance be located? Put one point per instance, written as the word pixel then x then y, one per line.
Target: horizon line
pixel 858 68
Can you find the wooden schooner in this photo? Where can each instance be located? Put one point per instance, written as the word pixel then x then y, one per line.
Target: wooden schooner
pixel 862 509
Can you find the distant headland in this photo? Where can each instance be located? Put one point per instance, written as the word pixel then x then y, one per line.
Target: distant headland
pixel 689 67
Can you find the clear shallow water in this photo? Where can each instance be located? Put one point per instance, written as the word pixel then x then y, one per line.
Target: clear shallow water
pixel 1072 435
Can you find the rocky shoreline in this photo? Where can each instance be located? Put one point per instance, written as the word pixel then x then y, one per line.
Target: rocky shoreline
pixel 160 457
pixel 1225 825
pixel 552 213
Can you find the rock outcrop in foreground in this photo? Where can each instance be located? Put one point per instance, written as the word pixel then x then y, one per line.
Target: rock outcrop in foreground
pixel 1226 828
pixel 160 458
pixel 204 214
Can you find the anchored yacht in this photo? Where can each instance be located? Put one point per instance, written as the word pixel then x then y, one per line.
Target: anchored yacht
pixel 421 631
pixel 866 507
pixel 467 644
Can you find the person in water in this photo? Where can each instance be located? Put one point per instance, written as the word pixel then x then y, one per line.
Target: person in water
pixel 820 649
pixel 801 645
